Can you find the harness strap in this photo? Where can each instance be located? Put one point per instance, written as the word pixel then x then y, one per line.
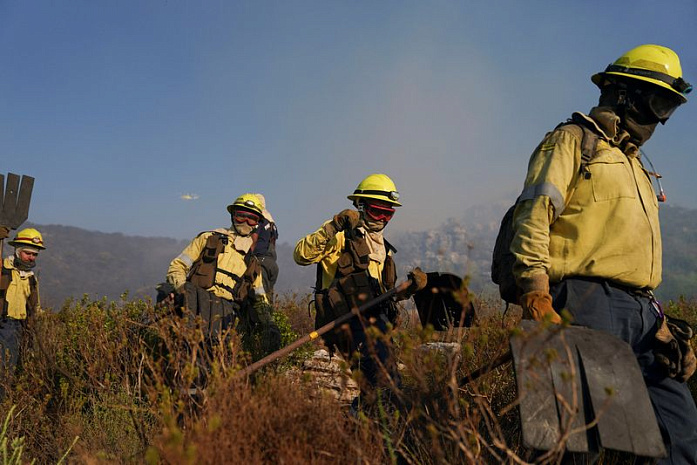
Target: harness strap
pixel 5 279
pixel 204 270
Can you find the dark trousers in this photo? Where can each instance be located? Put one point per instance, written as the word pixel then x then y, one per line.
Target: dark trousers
pixel 375 360
pixel 631 317
pixel 11 332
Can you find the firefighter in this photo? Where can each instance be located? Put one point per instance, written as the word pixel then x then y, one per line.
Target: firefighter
pixel 354 265
pixel 587 237
pixel 219 279
pixel 19 293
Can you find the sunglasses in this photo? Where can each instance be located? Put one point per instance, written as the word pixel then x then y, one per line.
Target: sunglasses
pixel 378 212
pixel 242 216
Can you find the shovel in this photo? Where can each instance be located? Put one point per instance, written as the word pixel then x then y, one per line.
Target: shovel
pixel 14 201
pixel 444 302
pixel 585 387
pixel 436 303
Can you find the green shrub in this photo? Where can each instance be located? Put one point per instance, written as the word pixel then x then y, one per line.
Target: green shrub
pixel 123 382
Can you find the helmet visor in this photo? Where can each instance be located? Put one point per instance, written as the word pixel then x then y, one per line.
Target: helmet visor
pixel 378 212
pixel 244 216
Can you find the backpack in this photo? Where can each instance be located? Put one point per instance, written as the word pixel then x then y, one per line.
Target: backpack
pixel 502 258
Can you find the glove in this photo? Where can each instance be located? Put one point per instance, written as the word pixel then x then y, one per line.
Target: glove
pixel 346 219
pixel 418 281
pixel 673 350
pixel 537 305
pixel 4 232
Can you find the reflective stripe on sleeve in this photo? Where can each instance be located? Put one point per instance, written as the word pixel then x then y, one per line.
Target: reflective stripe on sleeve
pixel 188 261
pixel 546 189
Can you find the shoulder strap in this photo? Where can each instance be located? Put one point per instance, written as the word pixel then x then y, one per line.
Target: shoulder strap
pixel 244 286
pixel 5 279
pixel 589 137
pixel 203 270
pixel 589 148
pixel 33 300
pixel 589 142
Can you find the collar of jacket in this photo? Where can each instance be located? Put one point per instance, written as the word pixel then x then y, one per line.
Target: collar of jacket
pixel 9 264
pixel 607 124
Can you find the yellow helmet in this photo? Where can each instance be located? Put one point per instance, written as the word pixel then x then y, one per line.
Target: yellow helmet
pixel 28 237
pixel 249 202
pixel 649 63
pixel 379 187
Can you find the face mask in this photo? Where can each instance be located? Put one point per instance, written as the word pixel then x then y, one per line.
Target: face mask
pixel 638 133
pixel 644 106
pixel 22 265
pixel 243 229
pixel 372 225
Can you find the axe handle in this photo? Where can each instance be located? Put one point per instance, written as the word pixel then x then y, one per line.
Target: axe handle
pixel 323 330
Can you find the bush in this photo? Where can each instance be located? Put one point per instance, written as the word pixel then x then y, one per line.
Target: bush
pixel 123 382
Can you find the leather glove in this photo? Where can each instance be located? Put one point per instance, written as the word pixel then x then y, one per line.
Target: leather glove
pixel 418 281
pixel 673 350
pixel 346 219
pixel 4 232
pixel 537 305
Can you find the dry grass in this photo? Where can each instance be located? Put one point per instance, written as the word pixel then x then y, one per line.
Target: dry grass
pixel 118 376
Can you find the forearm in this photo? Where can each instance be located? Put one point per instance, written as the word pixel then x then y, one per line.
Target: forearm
pixel 179 267
pixel 314 247
pixel 532 220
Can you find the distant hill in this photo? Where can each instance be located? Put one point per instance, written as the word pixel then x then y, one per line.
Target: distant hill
pixel 79 261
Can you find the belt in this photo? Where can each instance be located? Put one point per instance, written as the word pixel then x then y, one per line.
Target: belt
pixel 637 291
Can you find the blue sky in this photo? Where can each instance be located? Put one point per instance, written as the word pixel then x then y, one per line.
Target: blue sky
pixel 119 108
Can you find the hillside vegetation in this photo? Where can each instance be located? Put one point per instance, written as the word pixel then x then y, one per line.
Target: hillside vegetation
pixel 113 380
pixel 122 382
pixel 100 265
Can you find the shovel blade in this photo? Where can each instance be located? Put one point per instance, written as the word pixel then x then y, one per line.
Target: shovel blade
pixel 569 377
pixel 548 390
pixel 444 302
pixel 15 199
pixel 627 421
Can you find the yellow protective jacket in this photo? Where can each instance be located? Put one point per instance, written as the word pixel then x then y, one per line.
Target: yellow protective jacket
pixel 601 225
pixel 320 247
pixel 230 264
pixel 19 291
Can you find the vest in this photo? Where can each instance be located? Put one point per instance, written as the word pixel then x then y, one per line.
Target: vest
pixel 352 285
pixel 32 300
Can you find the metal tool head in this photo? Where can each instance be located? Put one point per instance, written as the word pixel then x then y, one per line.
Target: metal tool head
pixel 15 199
pixel 444 302
pixel 569 377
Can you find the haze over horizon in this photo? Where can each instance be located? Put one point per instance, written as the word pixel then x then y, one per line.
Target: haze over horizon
pixel 148 118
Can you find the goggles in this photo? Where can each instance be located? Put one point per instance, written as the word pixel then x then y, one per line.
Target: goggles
pixel 378 212
pixel 243 216
pixel 661 105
